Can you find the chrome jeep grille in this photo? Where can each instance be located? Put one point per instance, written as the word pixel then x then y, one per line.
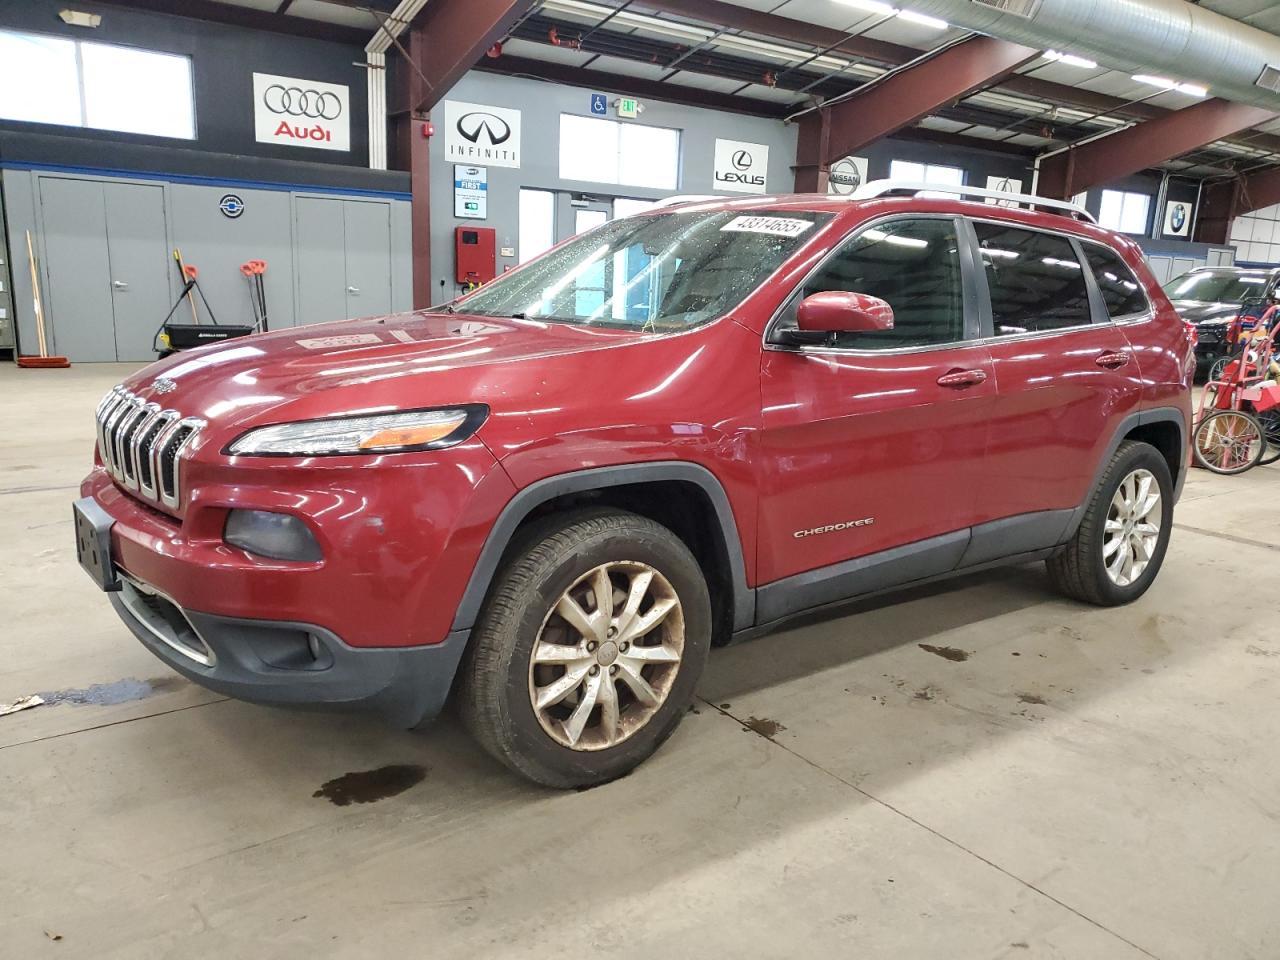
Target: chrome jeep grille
pixel 140 443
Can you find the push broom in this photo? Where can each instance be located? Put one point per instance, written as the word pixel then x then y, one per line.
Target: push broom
pixel 43 360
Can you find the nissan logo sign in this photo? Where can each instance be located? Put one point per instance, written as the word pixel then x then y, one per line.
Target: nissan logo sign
pixel 495 129
pixel 844 177
pixel 742 160
pixel 296 102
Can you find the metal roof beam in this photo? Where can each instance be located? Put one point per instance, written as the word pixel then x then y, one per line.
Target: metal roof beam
pixel 633 86
pixel 1108 158
pixel 900 99
pixel 457 34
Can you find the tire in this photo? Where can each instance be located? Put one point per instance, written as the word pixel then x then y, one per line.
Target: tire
pixel 561 745
pixel 1218 366
pixel 1229 442
pixel 1083 568
pixel 1270 420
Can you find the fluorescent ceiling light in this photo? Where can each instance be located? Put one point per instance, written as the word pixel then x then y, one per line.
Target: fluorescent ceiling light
pixel 912 17
pixel 888 10
pixel 1164 83
pixel 1070 59
pixel 871 6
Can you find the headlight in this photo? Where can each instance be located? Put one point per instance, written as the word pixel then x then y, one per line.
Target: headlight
pixel 379 433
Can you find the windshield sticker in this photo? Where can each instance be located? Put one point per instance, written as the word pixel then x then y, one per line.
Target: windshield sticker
pixel 773 226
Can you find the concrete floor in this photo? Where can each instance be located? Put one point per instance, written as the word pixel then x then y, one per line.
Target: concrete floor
pixel 1087 784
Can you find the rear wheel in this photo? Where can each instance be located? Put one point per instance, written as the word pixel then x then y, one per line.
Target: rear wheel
pixel 1229 442
pixel 1120 544
pixel 586 654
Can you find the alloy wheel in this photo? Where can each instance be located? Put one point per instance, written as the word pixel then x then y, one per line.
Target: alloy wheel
pixel 606 656
pixel 1132 529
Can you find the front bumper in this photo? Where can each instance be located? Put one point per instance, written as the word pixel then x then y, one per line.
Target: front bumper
pixel 291 664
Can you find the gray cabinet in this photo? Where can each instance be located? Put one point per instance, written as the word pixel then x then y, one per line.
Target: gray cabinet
pixel 106 263
pixel 344 258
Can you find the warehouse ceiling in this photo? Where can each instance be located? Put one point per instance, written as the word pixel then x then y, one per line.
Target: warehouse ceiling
pixel 777 57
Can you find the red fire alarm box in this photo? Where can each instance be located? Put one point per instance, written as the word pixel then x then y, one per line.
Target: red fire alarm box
pixel 474 254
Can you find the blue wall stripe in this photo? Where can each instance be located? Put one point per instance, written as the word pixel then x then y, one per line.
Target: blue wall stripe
pixel 205 181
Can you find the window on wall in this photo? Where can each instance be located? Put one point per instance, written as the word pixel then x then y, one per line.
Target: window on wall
pixel 926 173
pixel 1123 211
pixel 537 222
pixel 627 154
pixel 75 83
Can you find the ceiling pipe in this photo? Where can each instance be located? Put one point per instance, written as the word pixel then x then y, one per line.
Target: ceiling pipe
pixel 1166 38
pixel 376 62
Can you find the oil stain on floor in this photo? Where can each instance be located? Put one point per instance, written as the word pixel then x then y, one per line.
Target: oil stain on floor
pixel 946 653
pixel 369 786
pixel 765 727
pixel 118 691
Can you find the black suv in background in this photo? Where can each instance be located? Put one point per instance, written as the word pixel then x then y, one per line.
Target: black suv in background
pixel 1211 297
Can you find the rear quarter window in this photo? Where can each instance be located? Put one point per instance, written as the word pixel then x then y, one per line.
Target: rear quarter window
pixel 1120 288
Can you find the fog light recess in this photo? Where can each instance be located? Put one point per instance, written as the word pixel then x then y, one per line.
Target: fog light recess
pixel 279 536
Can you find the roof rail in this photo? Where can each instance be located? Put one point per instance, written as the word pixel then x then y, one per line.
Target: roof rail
pixel 889 188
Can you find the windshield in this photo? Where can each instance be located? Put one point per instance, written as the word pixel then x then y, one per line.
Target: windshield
pixel 1217 287
pixel 660 273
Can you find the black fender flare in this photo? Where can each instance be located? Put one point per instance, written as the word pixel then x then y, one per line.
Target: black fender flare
pixel 1139 418
pixel 529 498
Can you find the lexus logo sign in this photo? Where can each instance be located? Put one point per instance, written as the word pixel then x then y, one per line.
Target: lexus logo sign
pixel 301 113
pixel 481 135
pixel 740 167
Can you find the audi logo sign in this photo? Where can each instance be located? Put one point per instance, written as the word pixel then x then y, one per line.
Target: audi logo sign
pixel 741 167
pixel 481 135
pixel 301 113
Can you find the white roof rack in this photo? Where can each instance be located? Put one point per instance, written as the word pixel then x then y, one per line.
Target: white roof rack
pixel 888 188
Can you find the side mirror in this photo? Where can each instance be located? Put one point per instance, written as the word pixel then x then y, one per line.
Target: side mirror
pixel 835 311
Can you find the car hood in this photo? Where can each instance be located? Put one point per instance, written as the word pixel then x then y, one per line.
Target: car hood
pixel 1197 311
pixel 349 367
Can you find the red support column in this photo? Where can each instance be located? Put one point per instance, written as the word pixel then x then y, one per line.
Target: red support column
pixel 1225 200
pixel 418 151
pixel 1144 145
pixel 811 147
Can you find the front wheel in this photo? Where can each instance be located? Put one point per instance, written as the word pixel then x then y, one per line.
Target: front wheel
pixel 1229 442
pixel 586 654
pixel 1118 549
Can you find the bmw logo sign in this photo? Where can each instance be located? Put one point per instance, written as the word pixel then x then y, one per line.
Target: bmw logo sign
pixel 231 205
pixel 1178 217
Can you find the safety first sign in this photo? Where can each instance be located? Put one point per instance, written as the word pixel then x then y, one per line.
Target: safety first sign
pixel 301 113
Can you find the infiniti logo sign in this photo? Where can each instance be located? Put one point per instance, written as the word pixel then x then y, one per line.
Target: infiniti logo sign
pixel 495 129
pixel 481 135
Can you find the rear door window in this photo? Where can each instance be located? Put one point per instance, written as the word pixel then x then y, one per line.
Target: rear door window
pixel 1036 280
pixel 1121 290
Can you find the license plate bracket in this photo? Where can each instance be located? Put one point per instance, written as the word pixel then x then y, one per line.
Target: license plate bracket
pixel 93 543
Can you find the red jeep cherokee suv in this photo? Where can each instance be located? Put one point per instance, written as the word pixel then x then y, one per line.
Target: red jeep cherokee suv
pixel 553 495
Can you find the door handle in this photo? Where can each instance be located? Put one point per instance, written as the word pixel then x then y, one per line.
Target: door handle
pixel 960 379
pixel 1113 361
pixel 119 285
pixel 354 291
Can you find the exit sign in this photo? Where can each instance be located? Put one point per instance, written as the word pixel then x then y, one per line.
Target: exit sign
pixel 628 108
